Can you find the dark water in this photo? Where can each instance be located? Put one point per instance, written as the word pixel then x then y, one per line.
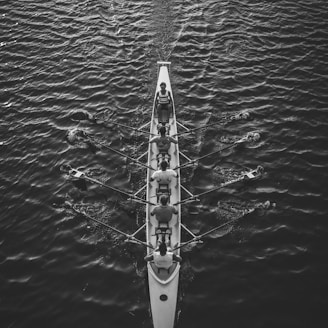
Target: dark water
pixel 267 57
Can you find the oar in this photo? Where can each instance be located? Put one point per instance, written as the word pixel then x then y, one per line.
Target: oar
pixel 132 128
pixel 81 175
pixel 244 212
pixel 129 237
pixel 117 152
pixel 197 238
pixel 196 129
pixel 246 175
pixel 221 122
pixel 96 117
pixel 246 138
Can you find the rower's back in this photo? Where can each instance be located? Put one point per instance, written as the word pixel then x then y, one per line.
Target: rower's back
pixel 164 212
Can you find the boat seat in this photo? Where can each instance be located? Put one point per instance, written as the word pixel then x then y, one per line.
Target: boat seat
pixel 163 189
pixel 163 230
pixel 161 270
pixel 166 231
pixel 163 118
pixel 167 127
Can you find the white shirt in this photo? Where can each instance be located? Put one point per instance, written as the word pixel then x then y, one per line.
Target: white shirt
pixel 164 176
pixel 165 261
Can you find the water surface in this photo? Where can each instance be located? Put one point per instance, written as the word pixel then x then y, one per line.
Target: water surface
pixel 59 58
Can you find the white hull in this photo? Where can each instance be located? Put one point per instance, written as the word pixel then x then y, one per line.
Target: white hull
pixel 163 284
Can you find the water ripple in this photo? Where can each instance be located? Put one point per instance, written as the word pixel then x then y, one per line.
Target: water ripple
pixel 59 58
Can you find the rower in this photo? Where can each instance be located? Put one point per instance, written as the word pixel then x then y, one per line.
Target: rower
pixel 164 212
pixel 163 103
pixel 163 177
pixel 163 257
pixel 163 142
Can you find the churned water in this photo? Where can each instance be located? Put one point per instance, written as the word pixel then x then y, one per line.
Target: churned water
pixel 59 58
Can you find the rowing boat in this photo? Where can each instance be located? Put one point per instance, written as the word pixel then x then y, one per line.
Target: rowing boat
pixel 163 283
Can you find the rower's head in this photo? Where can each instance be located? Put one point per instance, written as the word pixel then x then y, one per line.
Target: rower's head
pixel 163 200
pixel 162 248
pixel 164 165
pixel 163 85
pixel 162 131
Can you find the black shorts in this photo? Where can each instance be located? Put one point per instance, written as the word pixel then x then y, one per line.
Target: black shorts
pixel 163 106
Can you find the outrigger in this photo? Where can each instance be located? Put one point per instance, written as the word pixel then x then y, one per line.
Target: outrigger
pixel 163 283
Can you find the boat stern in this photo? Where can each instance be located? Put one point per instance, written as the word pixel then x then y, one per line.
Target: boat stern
pixel 163 298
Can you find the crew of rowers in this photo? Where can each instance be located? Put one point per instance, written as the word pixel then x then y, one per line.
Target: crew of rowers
pixel 163 256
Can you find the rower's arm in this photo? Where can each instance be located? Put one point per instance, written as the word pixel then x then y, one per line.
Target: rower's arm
pixel 170 98
pixel 153 176
pixel 177 258
pixel 149 258
pixel 156 99
pixel 154 139
pixel 176 175
pixel 175 141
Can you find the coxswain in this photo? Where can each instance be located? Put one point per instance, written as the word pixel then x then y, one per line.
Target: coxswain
pixel 163 103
